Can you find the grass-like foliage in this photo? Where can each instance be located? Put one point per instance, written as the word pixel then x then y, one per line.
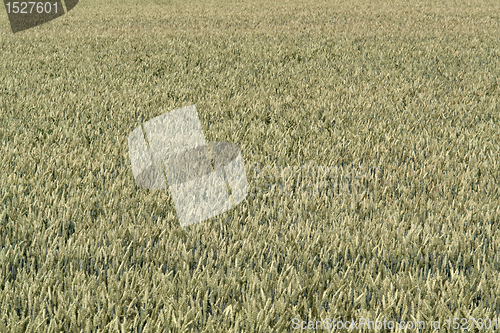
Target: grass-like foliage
pixel 400 98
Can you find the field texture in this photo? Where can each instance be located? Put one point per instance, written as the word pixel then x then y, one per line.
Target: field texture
pixel 392 106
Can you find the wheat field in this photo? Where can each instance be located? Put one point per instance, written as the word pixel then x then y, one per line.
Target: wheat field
pixel 392 105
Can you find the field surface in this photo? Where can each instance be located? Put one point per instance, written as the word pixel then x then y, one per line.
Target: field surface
pixel 393 106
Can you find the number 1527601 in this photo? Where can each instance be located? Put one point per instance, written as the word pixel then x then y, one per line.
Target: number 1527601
pixel 31 7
